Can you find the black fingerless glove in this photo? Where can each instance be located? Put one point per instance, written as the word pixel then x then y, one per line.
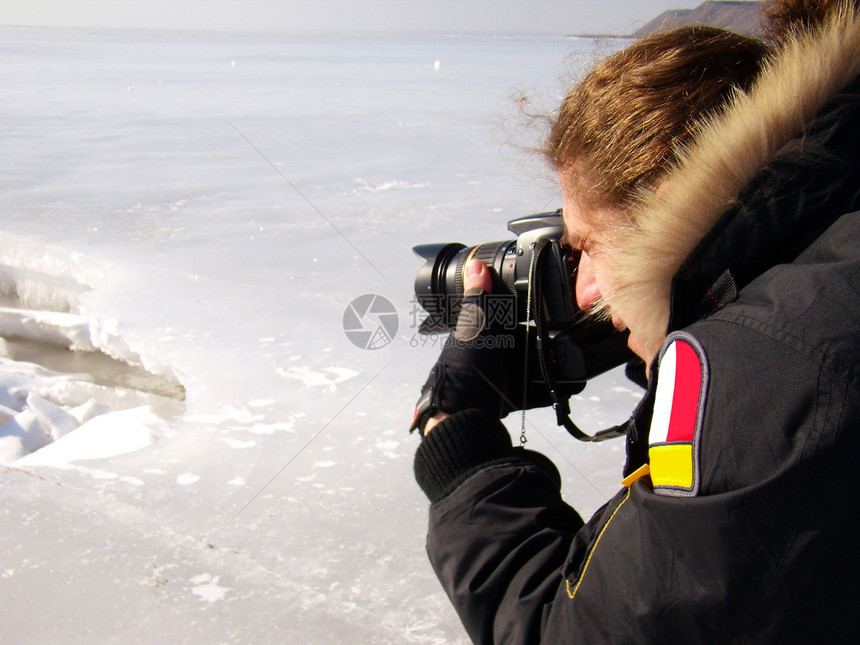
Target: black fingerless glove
pixel 481 366
pixel 471 370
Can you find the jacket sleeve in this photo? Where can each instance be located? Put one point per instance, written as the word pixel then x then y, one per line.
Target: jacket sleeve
pixel 754 556
pixel 521 567
pixel 499 530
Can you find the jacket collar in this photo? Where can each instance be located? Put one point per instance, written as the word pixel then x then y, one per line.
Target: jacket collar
pixel 728 204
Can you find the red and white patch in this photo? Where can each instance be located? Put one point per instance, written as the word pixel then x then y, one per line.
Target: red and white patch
pixel 679 406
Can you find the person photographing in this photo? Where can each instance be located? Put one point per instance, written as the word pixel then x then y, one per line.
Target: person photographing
pixel 711 187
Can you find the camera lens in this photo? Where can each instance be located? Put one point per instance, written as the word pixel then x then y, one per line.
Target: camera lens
pixel 439 283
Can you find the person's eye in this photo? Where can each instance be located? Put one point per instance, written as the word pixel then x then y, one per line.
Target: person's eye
pixel 591 247
pixel 573 243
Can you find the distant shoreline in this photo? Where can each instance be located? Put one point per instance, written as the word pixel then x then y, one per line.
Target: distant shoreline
pixel 628 36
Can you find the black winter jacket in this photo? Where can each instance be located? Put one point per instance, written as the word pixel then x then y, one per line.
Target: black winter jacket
pixel 746 529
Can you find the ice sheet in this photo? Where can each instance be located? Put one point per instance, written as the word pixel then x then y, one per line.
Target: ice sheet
pixel 203 208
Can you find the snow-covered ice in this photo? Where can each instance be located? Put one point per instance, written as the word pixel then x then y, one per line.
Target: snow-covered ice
pixel 194 450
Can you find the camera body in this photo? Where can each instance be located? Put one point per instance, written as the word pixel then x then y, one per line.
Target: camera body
pixel 542 291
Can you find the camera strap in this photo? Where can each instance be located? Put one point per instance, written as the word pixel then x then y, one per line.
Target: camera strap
pixel 560 402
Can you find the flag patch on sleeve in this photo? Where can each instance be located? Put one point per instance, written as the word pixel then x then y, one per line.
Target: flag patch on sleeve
pixel 679 406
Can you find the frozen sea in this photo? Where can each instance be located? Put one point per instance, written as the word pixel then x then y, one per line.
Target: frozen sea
pixel 191 214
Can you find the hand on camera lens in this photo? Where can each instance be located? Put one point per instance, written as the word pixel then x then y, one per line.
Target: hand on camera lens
pixel 473 356
pixel 482 362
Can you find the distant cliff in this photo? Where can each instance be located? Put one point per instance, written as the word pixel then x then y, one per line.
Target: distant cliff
pixel 742 17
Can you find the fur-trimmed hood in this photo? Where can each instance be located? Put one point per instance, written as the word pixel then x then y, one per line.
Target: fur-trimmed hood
pixel 732 191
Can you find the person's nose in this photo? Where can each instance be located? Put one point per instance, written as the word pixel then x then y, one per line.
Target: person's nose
pixel 587 292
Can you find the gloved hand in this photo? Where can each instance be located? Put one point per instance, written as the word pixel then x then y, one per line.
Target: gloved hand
pixel 482 362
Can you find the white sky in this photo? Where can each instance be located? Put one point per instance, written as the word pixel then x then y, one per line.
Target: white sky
pixel 551 16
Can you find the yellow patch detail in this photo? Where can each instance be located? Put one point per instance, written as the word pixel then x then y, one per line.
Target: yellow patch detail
pixel 672 465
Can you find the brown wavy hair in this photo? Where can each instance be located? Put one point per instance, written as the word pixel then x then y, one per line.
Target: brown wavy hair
pixel 624 123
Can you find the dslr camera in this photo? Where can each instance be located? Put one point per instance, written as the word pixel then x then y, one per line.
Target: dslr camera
pixel 537 275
